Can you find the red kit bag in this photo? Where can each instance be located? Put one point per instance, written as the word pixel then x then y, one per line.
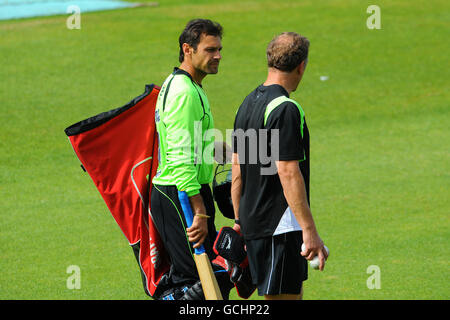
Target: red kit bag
pixel 119 151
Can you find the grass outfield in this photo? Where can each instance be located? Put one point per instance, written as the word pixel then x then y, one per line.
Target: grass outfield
pixel 379 127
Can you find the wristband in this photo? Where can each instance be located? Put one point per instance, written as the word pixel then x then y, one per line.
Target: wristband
pixel 202 215
pixel 237 221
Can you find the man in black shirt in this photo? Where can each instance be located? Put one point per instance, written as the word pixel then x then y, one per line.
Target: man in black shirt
pixel 270 181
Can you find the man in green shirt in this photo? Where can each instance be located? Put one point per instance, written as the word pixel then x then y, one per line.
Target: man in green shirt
pixel 183 118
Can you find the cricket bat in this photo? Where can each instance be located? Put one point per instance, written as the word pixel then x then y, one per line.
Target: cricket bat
pixel 205 272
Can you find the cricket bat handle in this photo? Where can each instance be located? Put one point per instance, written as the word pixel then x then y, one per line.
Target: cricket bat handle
pixel 207 278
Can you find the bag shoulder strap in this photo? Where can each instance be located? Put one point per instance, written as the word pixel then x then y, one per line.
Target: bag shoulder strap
pixel 167 92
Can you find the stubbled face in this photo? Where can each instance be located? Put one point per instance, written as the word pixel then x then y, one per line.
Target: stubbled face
pixel 207 56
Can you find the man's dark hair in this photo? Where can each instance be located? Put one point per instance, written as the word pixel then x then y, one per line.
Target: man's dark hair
pixel 193 31
pixel 286 51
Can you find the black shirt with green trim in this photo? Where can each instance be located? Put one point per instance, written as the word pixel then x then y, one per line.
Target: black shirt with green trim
pixel 262 202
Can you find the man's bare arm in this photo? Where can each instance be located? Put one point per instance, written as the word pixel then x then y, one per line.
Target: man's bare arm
pixel 199 230
pixel 295 193
pixel 236 186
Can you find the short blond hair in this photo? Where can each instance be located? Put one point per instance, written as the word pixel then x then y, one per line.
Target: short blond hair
pixel 286 51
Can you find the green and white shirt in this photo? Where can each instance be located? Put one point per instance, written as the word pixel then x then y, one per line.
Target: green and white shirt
pixel 186 143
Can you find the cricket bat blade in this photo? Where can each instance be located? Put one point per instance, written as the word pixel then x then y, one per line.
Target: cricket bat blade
pixel 208 280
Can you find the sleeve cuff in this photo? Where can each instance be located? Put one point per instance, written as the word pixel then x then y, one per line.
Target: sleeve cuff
pixel 192 192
